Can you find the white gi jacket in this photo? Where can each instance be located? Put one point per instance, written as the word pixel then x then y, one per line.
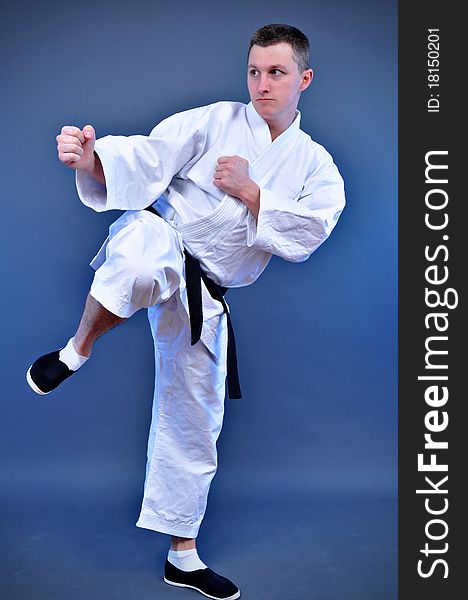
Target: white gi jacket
pixel 301 190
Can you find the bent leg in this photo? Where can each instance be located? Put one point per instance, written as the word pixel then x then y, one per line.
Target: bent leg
pixel 95 321
pixel 143 264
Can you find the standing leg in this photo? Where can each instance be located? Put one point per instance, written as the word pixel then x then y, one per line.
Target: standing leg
pixel 188 411
pixel 181 543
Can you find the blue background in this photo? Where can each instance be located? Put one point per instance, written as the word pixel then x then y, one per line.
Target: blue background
pixel 308 457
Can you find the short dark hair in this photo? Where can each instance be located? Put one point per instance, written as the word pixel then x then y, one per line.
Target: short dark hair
pixel 275 33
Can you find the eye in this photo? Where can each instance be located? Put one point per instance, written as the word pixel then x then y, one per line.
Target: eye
pixel 276 72
pixel 253 72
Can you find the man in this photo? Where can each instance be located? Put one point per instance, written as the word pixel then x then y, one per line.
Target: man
pixel 230 184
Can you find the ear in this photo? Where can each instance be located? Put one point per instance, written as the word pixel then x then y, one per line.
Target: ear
pixel 306 79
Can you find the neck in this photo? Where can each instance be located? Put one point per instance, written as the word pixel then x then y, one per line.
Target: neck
pixel 276 132
pixel 276 129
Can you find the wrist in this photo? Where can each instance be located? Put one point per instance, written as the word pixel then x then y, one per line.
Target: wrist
pixel 94 169
pixel 91 167
pixel 251 198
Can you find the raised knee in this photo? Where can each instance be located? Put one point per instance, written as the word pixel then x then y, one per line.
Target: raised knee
pixel 143 260
pixel 141 272
pixel 151 284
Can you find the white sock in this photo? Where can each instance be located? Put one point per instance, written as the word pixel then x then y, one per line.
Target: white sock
pixel 185 560
pixel 71 358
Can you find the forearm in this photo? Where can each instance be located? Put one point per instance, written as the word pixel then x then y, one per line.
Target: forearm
pixel 293 229
pixel 250 196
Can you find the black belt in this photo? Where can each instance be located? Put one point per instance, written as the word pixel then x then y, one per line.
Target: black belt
pixel 193 277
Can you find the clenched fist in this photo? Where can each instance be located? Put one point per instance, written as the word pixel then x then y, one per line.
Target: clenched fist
pixel 76 147
pixel 232 176
pixel 76 150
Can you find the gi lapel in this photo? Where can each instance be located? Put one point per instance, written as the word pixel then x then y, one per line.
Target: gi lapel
pixel 211 228
pixel 263 167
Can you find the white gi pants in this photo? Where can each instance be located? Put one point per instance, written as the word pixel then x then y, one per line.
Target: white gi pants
pixel 140 266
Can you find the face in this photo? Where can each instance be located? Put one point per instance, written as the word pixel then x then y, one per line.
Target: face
pixel 275 83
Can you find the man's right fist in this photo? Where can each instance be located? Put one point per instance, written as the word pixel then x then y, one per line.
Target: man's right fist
pixel 76 147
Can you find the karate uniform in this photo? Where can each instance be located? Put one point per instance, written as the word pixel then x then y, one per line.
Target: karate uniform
pixel 141 265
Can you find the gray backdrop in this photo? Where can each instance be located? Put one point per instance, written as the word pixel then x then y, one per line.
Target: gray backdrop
pixel 316 341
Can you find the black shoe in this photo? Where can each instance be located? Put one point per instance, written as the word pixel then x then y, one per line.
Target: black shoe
pixel 47 373
pixel 205 581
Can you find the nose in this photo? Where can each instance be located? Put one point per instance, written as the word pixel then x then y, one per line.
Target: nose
pixel 263 84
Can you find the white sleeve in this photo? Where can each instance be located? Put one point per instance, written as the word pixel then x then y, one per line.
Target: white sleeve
pixel 293 229
pixel 138 168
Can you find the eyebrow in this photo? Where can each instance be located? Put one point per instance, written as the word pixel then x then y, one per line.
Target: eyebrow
pixel 270 67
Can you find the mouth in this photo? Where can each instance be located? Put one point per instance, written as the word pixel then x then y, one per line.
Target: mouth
pixel 265 100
